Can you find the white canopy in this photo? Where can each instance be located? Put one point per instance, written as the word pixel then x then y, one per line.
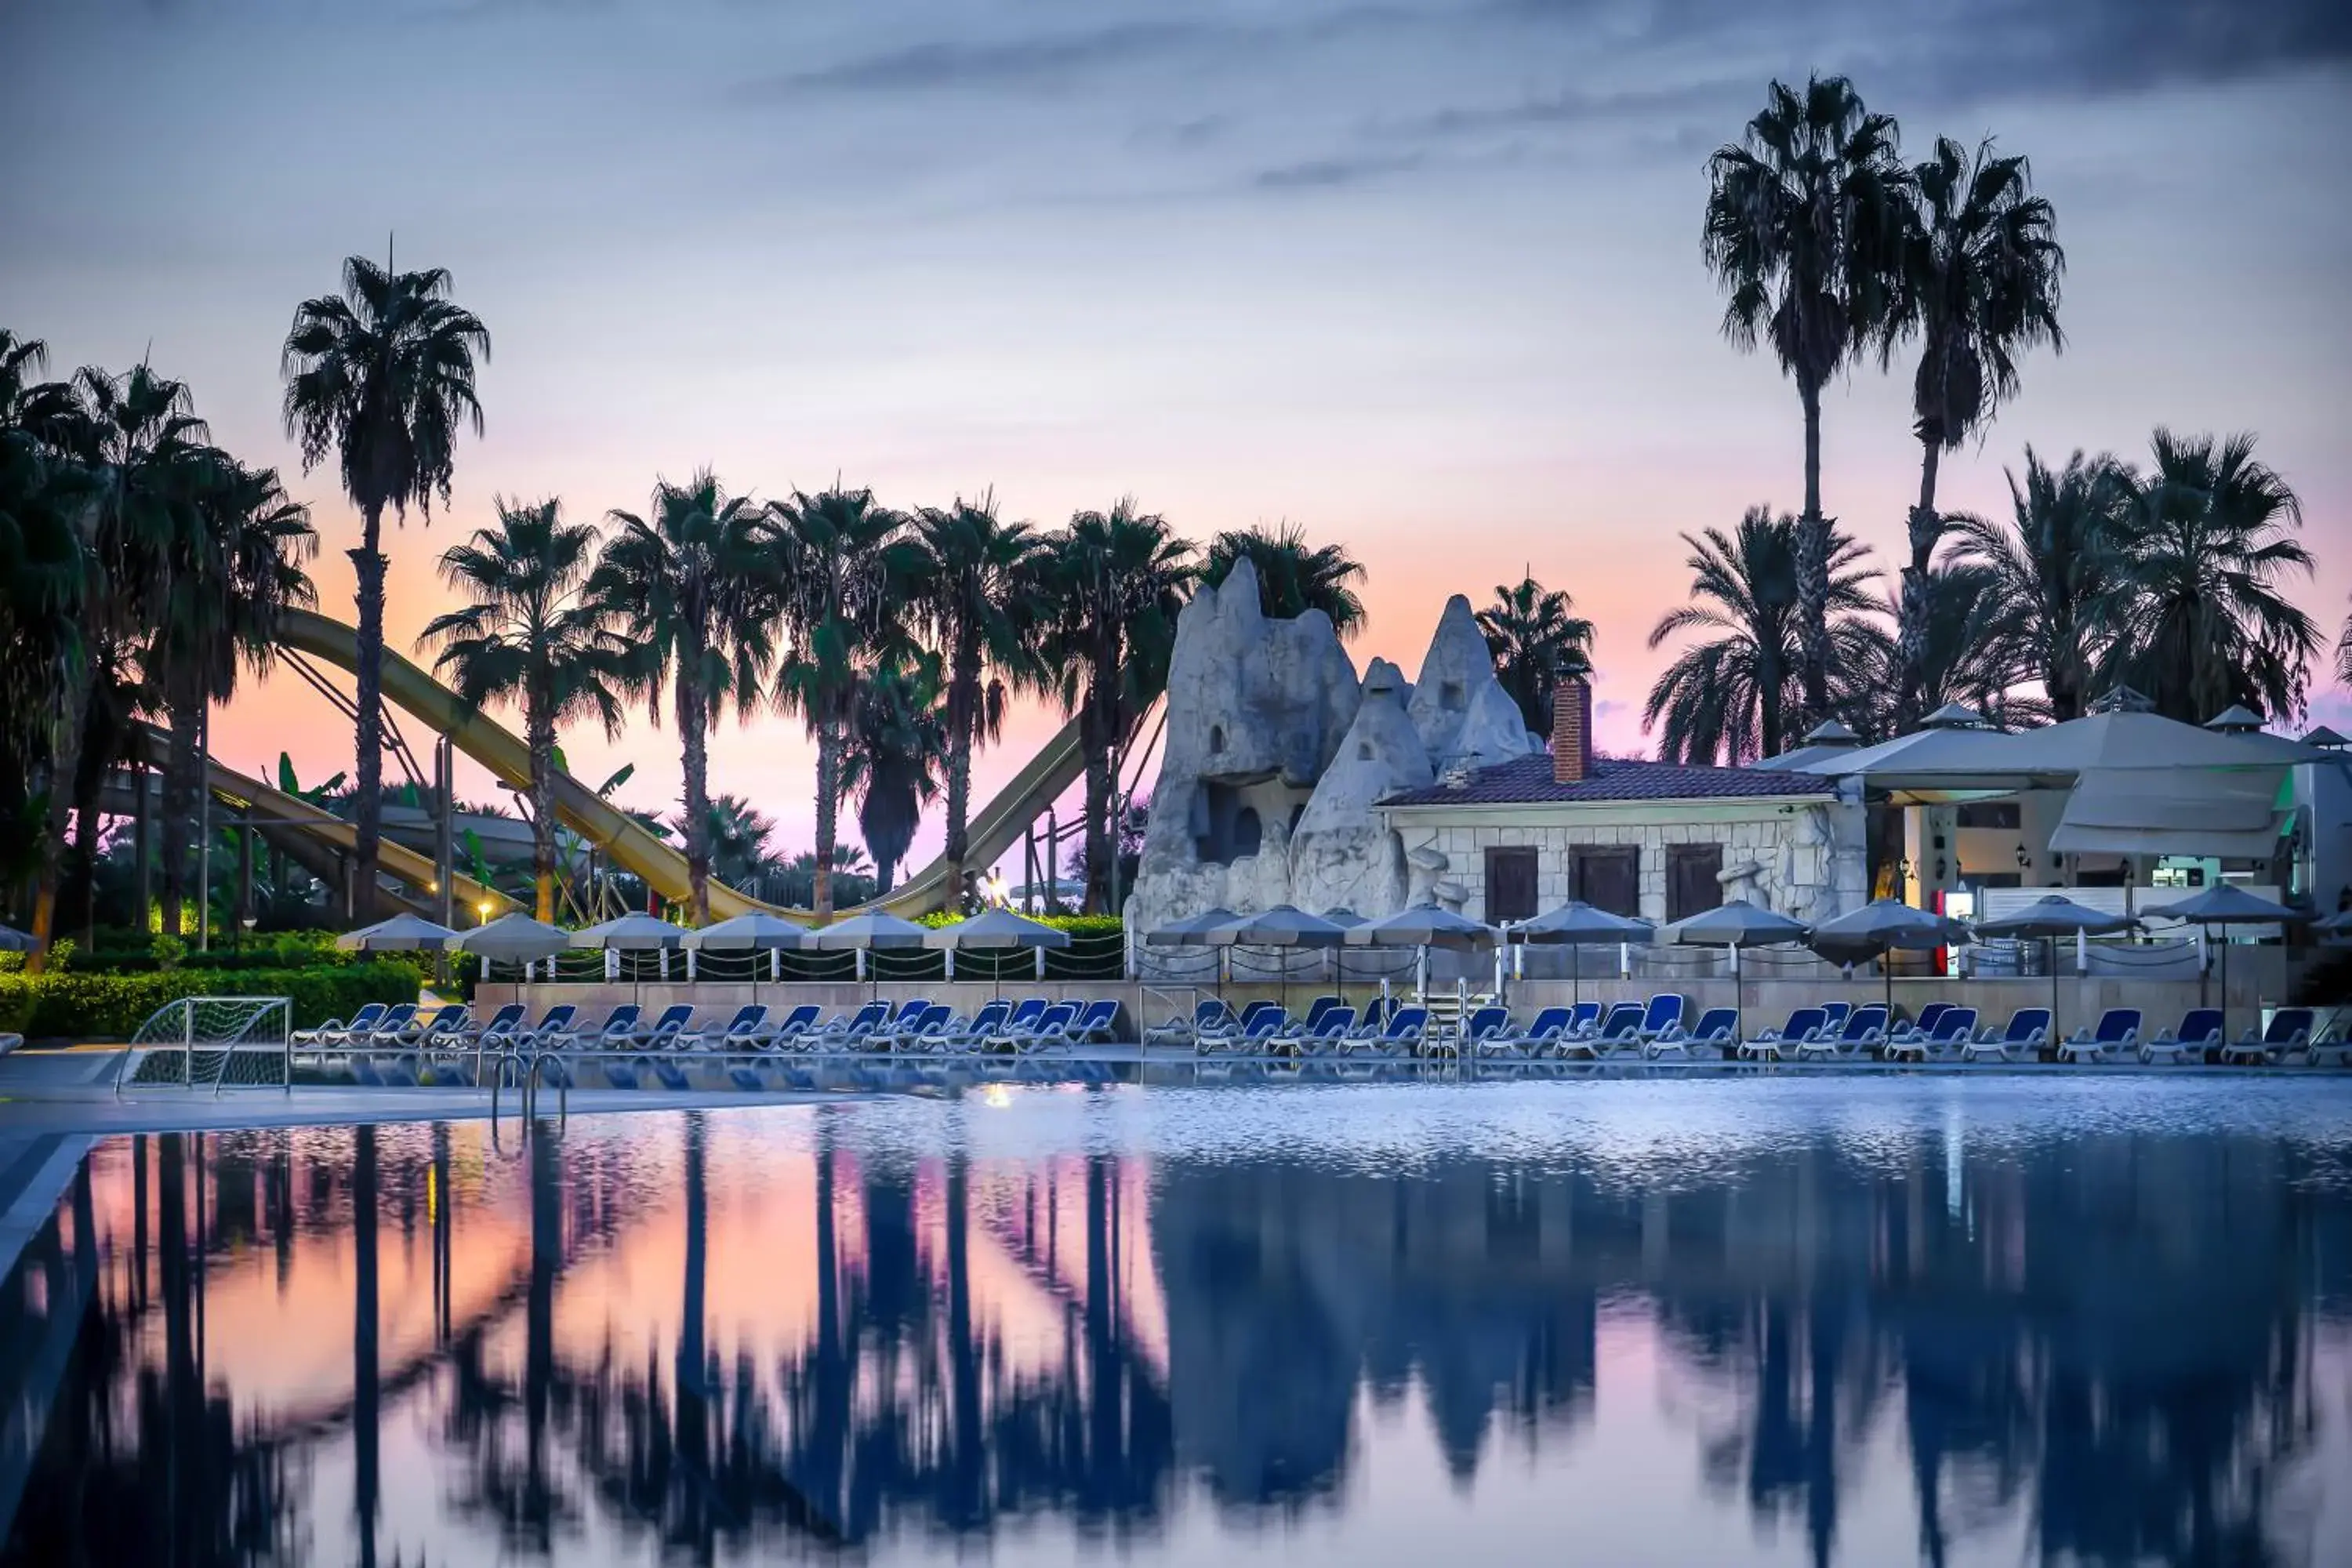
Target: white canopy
pixel 631 933
pixel 515 937
pixel 401 933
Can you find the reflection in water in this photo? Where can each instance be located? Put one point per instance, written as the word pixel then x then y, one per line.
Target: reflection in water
pixel 1194 1325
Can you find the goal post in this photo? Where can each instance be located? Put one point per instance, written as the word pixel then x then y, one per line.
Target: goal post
pixel 215 1042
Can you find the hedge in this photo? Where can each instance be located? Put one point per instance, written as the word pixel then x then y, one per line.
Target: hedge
pixel 112 1006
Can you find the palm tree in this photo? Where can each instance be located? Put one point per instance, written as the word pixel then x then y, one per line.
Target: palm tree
pixel 232 577
pixel 532 637
pixel 2344 653
pixel 739 855
pixel 138 445
pixel 1975 650
pixel 383 374
pixel 1119 580
pixel 2194 605
pixel 50 575
pixel 898 742
pixel 1803 232
pixel 853 879
pixel 1536 641
pixel 1292 577
pixel 688 580
pixel 1731 698
pixel 1979 284
pixel 839 558
pixel 2050 560
pixel 978 596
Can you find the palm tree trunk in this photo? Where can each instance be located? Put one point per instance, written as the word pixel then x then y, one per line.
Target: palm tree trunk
pixel 182 762
pixel 1095 736
pixel 368 564
pixel 1926 527
pixel 828 816
pixel 63 765
pixel 695 733
pixel 542 816
pixel 1770 723
pixel 1814 566
pixel 962 700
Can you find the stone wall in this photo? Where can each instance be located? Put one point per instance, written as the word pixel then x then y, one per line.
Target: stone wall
pixel 1809 861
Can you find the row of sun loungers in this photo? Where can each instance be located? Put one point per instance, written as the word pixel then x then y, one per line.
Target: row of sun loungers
pixel 405 1042
pixel 1657 1029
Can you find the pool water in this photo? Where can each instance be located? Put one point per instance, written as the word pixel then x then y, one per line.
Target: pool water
pixel 1817 1321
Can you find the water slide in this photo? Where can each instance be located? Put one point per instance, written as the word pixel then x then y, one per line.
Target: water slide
pixel 311 835
pixel 995 826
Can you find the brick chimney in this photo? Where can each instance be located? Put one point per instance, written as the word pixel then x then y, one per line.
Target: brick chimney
pixel 1572 730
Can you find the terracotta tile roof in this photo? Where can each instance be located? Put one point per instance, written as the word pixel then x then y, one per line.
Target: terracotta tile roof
pixel 1528 781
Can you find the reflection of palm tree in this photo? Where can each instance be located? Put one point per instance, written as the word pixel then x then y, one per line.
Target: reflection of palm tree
pixel 365 1319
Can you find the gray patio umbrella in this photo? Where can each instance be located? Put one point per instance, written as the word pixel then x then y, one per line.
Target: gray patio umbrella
pixel 1736 923
pixel 2223 905
pixel 1882 924
pixel 1194 930
pixel 401 933
pixel 1422 927
pixel 14 941
pixel 1284 926
pixel 754 932
pixel 637 933
pixel 998 929
pixel 876 932
pixel 1579 924
pixel 514 937
pixel 2053 916
pixel 2337 924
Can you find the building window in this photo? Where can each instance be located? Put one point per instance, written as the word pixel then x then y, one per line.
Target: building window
pixel 1510 884
pixel 1693 880
pixel 1606 876
pixel 2004 815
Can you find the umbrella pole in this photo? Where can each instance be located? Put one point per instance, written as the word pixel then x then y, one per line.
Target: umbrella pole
pixel 2225 987
pixel 2054 1036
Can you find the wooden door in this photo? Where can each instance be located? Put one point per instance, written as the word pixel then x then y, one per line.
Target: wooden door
pixel 1607 876
pixel 1511 883
pixel 1693 880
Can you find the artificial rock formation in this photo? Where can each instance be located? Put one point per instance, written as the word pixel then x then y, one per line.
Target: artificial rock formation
pixel 1342 856
pixel 1274 757
pixel 1256 709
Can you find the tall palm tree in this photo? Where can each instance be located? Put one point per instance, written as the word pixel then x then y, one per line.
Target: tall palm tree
pixel 1980 270
pixel 688 580
pixel 1293 577
pixel 2051 559
pixel 1803 232
pixel 2195 605
pixel 1535 640
pixel 50 575
pixel 840 559
pixel 382 374
pixel 531 635
pixel 978 596
pixel 1119 580
pixel 232 577
pixel 2344 653
pixel 897 743
pixel 1732 697
pixel 137 442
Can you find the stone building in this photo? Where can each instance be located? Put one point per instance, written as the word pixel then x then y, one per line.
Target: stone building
pixel 1660 840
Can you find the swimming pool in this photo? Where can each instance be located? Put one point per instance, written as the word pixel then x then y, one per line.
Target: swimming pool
pixel 1849 1320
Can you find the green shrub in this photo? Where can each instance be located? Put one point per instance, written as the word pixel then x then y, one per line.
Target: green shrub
pixel 84 1006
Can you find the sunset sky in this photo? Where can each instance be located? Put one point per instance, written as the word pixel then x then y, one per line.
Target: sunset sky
pixel 1423 278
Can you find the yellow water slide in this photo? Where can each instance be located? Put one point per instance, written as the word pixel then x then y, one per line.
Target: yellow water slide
pixel 311 834
pixel 994 828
